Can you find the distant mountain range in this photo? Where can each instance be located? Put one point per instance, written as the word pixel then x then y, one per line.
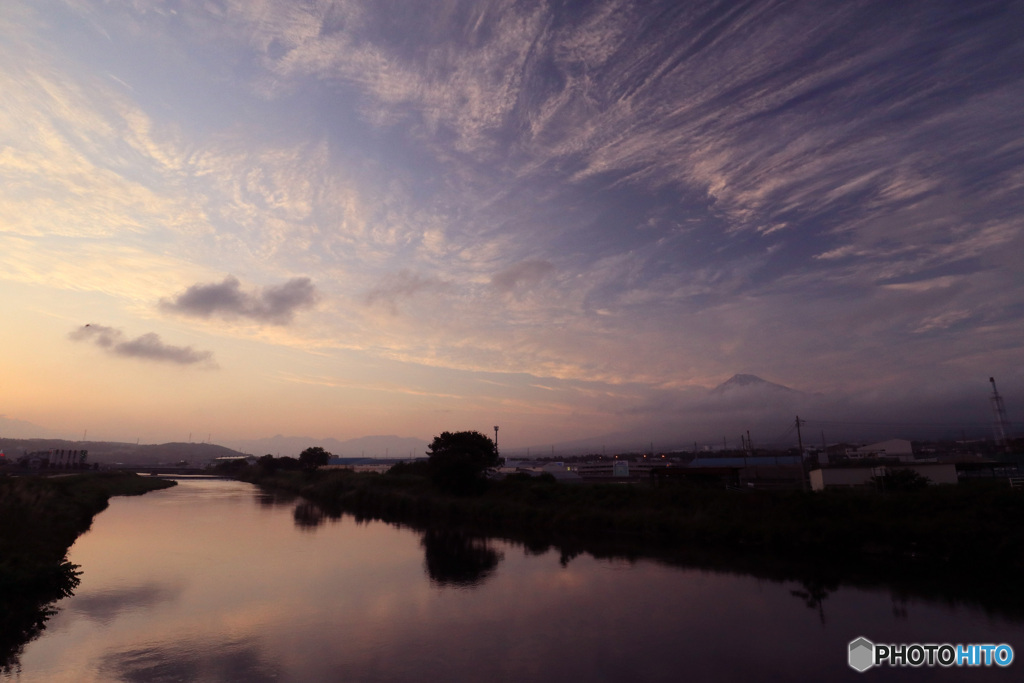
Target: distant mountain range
pixel 111 452
pixel 745 404
pixel 742 402
pixel 366 446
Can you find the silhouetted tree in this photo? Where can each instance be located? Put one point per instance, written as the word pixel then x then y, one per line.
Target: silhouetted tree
pixel 902 480
pixel 458 460
pixel 314 457
pixel 417 468
pixel 268 463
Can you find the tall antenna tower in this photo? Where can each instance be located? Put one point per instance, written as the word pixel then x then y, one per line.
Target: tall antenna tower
pixel 1002 424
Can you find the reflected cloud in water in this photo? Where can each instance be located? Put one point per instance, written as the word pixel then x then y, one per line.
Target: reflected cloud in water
pixel 104 606
pixel 190 661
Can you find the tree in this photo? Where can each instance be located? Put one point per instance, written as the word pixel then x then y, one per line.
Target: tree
pixel 458 460
pixel 901 480
pixel 314 457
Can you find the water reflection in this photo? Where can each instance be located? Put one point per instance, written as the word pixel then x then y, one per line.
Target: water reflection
pixel 815 590
pixel 26 607
pixel 190 661
pixel 308 515
pixel 272 499
pixel 105 606
pixel 205 582
pixel 451 557
pixel 454 558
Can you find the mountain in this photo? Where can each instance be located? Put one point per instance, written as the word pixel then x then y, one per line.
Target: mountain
pixel 366 446
pixel 11 428
pixel 743 403
pixel 746 383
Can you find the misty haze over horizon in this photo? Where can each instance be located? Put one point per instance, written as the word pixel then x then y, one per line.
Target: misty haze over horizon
pixel 711 417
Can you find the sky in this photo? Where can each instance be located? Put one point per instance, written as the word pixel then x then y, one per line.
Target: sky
pixel 230 219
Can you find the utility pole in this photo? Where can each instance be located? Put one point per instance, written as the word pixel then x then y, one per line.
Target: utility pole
pixel 799 438
pixel 800 441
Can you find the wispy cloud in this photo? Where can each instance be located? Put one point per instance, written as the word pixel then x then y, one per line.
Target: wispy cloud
pixel 618 192
pixel 276 305
pixel 148 346
pixel 522 274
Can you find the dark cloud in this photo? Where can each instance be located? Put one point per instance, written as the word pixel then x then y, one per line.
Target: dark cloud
pixel 274 305
pixel 147 347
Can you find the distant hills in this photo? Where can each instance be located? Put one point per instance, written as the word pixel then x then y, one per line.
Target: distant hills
pixel 366 446
pixel 743 406
pixel 111 452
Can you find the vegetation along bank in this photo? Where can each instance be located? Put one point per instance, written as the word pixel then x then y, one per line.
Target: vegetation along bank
pixel 40 518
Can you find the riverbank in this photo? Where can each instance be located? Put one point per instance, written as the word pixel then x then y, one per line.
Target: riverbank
pixel 40 518
pixel 954 524
pixel 940 539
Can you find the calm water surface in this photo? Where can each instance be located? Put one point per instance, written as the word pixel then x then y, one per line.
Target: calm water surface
pixel 215 581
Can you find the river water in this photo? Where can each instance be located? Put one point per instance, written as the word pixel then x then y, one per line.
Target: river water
pixel 214 580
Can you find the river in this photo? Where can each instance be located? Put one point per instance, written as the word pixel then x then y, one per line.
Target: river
pixel 214 580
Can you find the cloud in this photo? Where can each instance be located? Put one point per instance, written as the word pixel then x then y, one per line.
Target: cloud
pixel 274 305
pixel 146 347
pixel 524 272
pixel 403 285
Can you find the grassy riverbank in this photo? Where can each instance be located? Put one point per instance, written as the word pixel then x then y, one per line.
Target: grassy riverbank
pixel 40 518
pixel 963 526
pixel 957 544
